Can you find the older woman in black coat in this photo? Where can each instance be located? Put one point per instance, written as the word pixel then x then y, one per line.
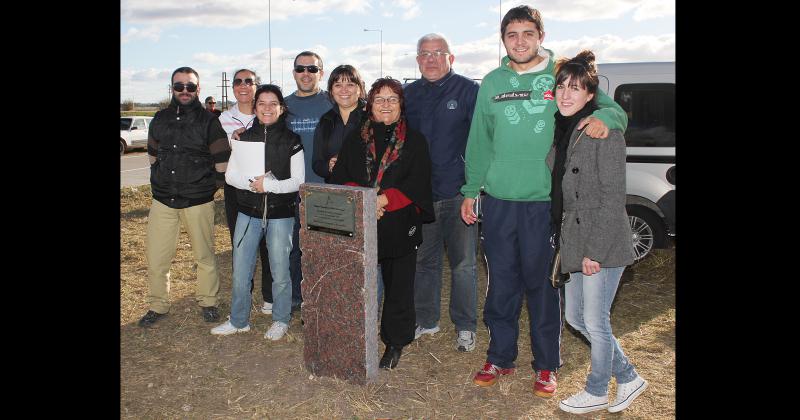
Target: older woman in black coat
pixel 385 154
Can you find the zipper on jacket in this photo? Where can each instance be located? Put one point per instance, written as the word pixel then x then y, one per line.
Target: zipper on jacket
pixel 264 215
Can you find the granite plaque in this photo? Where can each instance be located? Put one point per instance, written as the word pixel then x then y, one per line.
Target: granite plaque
pixel 330 211
pixel 340 314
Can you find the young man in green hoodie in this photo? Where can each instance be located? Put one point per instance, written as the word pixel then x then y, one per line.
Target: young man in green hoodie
pixel 510 136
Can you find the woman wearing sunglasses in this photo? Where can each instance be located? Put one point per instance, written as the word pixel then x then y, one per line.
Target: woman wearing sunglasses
pixel 266 204
pixel 589 183
pixel 387 155
pixel 235 120
pixel 346 91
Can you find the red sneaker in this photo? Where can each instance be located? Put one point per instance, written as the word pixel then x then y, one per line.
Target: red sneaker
pixel 545 383
pixel 489 374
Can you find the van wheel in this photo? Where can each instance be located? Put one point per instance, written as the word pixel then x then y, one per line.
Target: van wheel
pixel 648 231
pixel 122 147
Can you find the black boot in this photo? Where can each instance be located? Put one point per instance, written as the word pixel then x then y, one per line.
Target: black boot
pixel 390 357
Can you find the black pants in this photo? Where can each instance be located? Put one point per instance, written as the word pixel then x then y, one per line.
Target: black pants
pixel 231 212
pixel 398 321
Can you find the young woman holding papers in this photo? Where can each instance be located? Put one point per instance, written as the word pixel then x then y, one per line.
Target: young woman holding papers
pixel 266 184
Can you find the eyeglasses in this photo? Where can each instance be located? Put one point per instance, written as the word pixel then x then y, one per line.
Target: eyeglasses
pixel 311 69
pixel 435 54
pixel 248 82
pixel 394 100
pixel 179 86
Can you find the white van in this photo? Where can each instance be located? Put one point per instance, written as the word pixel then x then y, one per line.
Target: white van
pixel 646 91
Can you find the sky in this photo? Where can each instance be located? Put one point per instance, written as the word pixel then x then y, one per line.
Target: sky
pixel 216 36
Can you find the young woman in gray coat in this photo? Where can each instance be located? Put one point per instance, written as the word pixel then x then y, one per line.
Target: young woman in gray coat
pixel 589 185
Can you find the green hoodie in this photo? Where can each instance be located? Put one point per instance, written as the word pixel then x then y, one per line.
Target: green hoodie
pixel 512 132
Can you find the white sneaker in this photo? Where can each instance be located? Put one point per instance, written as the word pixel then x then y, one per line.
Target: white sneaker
pixel 583 402
pixel 266 308
pixel 276 331
pixel 227 328
pixel 421 330
pixel 626 393
pixel 465 341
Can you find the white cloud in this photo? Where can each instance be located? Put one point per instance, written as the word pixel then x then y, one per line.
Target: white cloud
pixel 613 49
pixel 412 13
pixel 152 33
pixel 652 9
pixel 581 10
pixel 482 25
pixel 236 14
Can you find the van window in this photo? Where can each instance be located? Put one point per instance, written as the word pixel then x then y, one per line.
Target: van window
pixel 651 113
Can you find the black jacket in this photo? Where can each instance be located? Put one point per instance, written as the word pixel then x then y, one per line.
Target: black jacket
pixel 326 145
pixel 186 143
pixel 399 231
pixel 280 145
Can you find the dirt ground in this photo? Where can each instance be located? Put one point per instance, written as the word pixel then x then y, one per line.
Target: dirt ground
pixel 177 369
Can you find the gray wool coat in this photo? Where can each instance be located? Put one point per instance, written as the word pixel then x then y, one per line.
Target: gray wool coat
pixel 595 221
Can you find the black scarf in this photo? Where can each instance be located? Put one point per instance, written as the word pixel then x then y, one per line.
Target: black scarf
pixel 563 131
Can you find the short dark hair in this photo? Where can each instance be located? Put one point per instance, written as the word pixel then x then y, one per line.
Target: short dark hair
pixel 271 89
pixel 308 54
pixel 392 84
pixel 522 13
pixel 184 70
pixel 580 70
pixel 346 71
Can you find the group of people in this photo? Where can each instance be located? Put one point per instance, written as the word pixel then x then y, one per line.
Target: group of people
pixel 536 149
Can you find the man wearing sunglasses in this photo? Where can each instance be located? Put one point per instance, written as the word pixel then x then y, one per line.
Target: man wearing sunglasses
pixel 211 106
pixel 188 151
pixel 306 106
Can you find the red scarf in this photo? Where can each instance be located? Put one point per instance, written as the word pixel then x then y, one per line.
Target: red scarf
pixel 389 156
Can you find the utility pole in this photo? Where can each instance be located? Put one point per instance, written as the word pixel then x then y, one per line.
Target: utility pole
pixel 224 91
pixel 269 36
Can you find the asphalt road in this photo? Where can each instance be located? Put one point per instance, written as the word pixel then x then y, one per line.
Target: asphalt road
pixel 134 169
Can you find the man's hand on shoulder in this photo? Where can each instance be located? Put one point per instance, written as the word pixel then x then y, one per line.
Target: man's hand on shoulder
pixel 595 128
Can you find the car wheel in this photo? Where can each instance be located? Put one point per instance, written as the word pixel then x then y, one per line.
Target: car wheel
pixel 648 231
pixel 122 147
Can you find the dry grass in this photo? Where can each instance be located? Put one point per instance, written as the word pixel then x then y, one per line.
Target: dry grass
pixel 178 370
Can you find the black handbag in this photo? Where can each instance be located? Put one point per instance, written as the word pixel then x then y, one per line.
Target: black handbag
pixel 557 278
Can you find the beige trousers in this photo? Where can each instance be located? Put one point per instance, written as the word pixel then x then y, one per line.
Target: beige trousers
pixel 163 228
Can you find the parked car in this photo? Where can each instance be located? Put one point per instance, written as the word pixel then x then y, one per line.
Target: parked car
pixel 646 91
pixel 133 132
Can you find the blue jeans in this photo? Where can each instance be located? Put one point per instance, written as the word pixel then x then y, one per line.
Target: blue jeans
pixel 588 310
pixel 247 235
pixel 460 241
pixel 295 256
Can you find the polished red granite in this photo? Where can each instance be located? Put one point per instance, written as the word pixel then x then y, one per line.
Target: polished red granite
pixel 339 288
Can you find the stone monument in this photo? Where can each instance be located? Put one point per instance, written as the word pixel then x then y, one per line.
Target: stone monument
pixel 339 242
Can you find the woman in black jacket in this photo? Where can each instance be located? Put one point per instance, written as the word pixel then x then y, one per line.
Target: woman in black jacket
pixel 385 154
pixel 346 91
pixel 266 203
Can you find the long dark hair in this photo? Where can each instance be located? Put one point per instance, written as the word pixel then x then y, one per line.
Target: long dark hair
pixel 346 72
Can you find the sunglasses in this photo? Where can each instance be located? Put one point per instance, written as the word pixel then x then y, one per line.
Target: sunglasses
pixel 211 103
pixel 179 86
pixel 248 82
pixel 311 69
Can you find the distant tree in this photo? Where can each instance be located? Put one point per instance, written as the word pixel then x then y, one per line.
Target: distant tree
pixel 127 105
pixel 163 103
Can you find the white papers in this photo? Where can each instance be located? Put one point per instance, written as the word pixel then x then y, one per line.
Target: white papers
pixel 249 157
